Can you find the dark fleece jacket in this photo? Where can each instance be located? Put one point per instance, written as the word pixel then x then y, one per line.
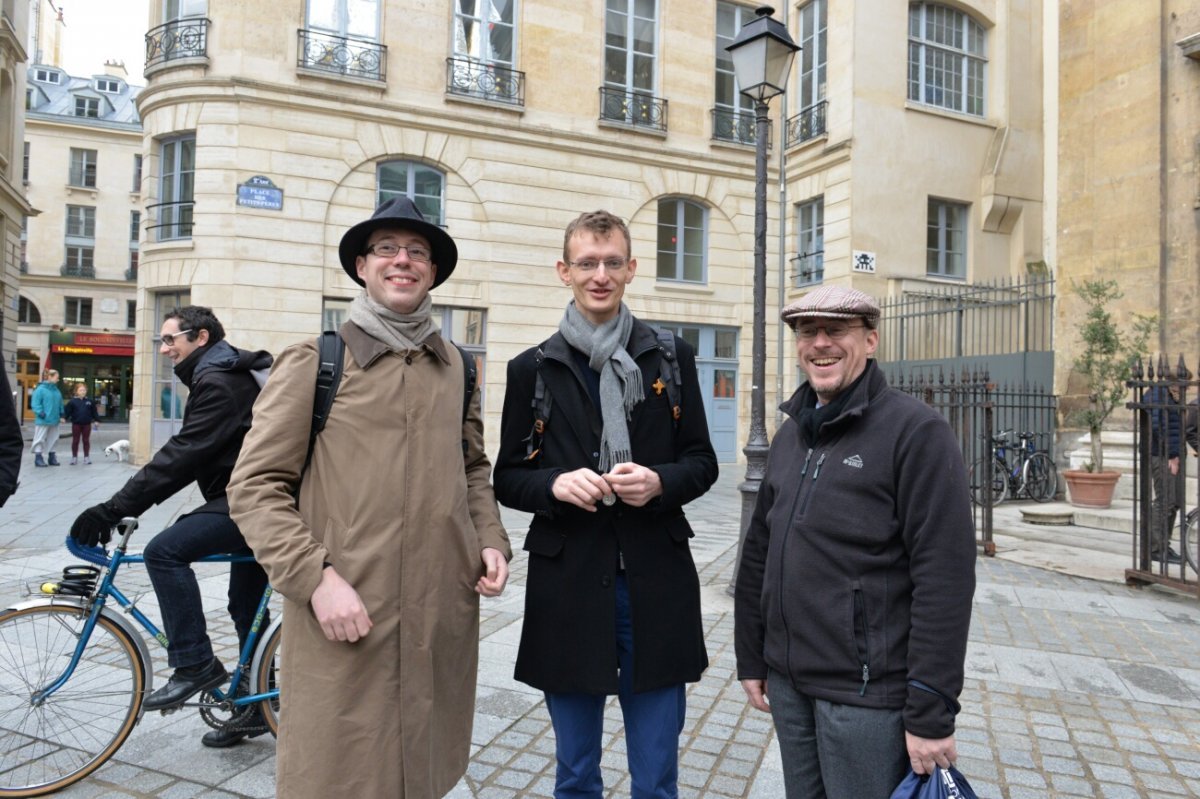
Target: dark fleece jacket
pixel 858 570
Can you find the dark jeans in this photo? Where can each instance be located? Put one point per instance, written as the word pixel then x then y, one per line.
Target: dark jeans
pixel 834 751
pixel 653 722
pixel 168 556
pixel 1166 505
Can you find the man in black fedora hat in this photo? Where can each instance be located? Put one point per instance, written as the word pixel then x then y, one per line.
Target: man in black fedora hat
pixel 394 536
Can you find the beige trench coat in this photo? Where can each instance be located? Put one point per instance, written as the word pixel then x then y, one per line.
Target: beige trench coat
pixel 388 502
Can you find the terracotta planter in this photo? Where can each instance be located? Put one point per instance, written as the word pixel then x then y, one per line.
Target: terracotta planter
pixel 1091 489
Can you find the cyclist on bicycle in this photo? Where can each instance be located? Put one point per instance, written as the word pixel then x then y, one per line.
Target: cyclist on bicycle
pixel 223 388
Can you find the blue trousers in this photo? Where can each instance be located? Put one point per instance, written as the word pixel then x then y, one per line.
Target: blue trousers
pixel 833 751
pixel 169 556
pixel 653 722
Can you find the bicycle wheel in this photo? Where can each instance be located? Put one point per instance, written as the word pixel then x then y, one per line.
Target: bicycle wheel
pixel 1039 478
pixel 977 476
pixel 268 678
pixel 1190 544
pixel 48 746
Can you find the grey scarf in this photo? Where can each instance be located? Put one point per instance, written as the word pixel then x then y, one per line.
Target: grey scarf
pixel 620 378
pixel 399 331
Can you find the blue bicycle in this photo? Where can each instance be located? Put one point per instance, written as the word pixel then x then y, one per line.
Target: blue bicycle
pixel 74 671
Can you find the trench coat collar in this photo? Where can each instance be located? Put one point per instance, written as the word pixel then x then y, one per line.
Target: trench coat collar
pixel 366 350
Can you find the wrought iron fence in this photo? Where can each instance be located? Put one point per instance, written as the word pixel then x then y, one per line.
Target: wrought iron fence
pixel 808 124
pixel 77 270
pixel 175 220
pixel 1009 324
pixel 180 38
pixel 1166 506
pixel 341 55
pixel 733 126
pixel 977 410
pixel 485 81
pixel 633 108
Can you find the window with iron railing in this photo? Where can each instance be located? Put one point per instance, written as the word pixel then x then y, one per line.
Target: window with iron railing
pixel 808 265
pixel 733 112
pixel 176 184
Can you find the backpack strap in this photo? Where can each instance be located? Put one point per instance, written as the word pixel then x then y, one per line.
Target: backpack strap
pixel 669 372
pixel 330 360
pixel 541 407
pixel 470 378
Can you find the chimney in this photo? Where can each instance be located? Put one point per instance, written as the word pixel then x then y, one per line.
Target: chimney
pixel 116 69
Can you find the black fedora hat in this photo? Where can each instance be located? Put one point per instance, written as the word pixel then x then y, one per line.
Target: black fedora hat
pixel 401 213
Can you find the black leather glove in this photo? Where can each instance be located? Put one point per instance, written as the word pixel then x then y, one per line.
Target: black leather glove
pixel 94 525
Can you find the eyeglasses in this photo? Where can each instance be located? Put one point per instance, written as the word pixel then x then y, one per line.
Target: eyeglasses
pixel 416 253
pixel 834 330
pixel 169 338
pixel 590 264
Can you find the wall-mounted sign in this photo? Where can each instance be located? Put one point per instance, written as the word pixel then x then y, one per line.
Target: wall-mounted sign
pixel 864 261
pixel 260 192
pixel 91 343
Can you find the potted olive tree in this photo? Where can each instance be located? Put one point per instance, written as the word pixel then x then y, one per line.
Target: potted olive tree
pixel 1104 363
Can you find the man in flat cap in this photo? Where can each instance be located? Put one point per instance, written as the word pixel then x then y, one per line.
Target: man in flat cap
pixel 383 542
pixel 853 595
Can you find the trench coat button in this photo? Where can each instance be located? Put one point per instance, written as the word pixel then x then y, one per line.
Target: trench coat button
pixel 408 359
pixel 605 581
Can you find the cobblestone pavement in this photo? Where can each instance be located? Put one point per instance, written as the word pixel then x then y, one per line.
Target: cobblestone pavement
pixel 1076 687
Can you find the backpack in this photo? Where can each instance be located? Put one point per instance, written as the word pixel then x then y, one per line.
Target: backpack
pixel 331 354
pixel 669 378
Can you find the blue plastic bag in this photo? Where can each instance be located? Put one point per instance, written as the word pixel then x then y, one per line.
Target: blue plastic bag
pixel 942 784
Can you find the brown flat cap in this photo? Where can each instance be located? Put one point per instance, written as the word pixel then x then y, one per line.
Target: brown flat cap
pixel 832 302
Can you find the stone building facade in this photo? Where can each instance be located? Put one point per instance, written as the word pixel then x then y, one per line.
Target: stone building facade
pixel 83 171
pixel 1128 153
pixel 271 128
pixel 14 207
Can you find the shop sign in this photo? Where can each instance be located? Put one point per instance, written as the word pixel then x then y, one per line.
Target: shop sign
pixel 92 343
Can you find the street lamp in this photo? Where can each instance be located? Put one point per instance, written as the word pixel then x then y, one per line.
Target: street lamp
pixel 762 60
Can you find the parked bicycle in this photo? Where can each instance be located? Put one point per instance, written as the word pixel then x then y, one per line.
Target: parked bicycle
pixel 1189 540
pixel 74 671
pixel 1020 471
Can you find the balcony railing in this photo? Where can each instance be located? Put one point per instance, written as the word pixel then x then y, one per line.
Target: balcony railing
pixel 734 126
pixel 77 270
pixel 180 38
pixel 808 268
pixel 633 108
pixel 808 124
pixel 175 220
pixel 341 56
pixel 485 81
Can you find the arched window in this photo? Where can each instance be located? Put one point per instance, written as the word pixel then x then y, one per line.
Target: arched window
pixel 947 59
pixel 27 313
pixel 682 241
pixel 425 185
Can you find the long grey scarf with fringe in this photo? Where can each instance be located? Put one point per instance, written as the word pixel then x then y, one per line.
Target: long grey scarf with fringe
pixel 620 378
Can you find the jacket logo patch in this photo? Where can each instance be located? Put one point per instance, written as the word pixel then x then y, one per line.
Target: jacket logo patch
pixel 854 461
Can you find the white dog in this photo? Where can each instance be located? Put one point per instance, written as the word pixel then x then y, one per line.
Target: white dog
pixel 118 448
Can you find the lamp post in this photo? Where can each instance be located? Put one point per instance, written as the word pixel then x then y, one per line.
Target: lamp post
pixel 762 60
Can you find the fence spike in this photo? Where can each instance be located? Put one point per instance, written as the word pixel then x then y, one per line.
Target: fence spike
pixel 1163 371
pixel 1137 368
pixel 1181 370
